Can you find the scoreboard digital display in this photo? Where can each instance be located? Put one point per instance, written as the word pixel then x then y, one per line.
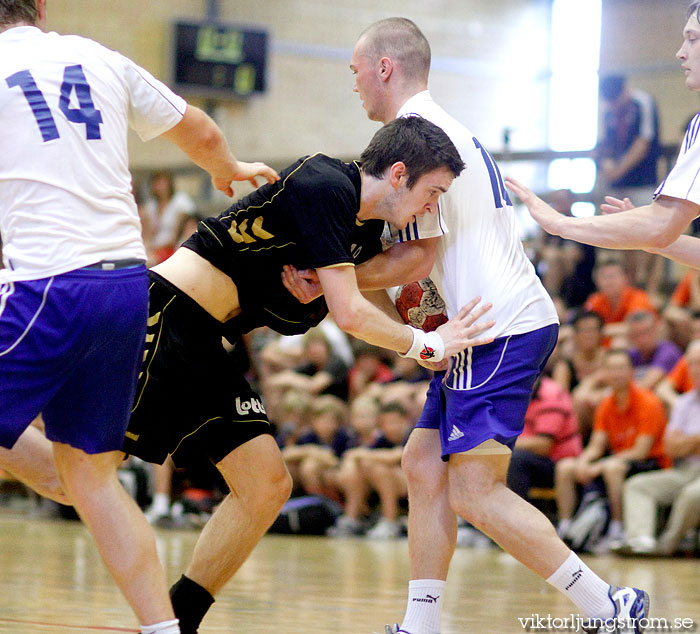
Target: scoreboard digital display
pixel 219 60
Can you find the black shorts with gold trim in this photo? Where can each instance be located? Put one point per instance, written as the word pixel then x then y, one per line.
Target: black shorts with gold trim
pixel 191 399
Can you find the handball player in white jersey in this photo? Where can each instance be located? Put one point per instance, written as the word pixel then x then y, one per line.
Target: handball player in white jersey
pixel 74 288
pixel 457 458
pixel 658 226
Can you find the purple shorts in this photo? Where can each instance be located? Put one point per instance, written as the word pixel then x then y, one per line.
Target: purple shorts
pixel 71 348
pixel 487 391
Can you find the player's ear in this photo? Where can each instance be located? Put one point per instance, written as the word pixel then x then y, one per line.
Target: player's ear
pixel 386 68
pixel 397 174
pixel 41 11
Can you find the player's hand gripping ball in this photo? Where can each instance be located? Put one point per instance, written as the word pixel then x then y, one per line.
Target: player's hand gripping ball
pixel 420 305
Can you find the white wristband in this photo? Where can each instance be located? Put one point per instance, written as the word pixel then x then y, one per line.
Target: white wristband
pixel 427 346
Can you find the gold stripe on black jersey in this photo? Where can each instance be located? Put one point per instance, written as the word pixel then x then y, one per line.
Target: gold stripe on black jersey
pixel 152 321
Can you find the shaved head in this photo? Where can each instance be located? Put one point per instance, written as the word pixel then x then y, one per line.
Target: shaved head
pixel 403 42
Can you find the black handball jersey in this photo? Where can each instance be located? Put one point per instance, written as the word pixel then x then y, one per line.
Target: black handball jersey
pixel 308 219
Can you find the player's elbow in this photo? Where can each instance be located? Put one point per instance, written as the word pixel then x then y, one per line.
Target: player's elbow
pixel 347 317
pixel 347 321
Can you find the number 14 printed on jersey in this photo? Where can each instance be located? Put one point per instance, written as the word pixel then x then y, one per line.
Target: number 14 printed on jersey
pixel 73 79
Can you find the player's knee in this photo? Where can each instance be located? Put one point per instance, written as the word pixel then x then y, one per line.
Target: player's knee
pixel 421 469
pixel 274 486
pixel 53 490
pixel 468 506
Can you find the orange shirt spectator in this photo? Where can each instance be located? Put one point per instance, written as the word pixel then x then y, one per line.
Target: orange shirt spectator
pixel 644 414
pixel 681 294
pixel 632 300
pixel 616 297
pixel 679 377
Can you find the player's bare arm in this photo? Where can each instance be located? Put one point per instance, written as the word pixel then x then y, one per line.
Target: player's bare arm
pixel 653 226
pixel 200 138
pixel 358 317
pixel 402 263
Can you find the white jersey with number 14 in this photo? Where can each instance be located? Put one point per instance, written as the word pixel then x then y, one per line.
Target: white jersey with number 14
pixel 66 104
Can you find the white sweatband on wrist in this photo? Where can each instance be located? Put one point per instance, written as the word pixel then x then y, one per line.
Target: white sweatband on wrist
pixel 426 346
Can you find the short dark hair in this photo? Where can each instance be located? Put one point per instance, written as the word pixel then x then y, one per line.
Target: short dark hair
pixel 606 262
pixel 414 141
pixel 639 316
pixel 588 314
pixel 393 407
pixel 15 11
pixel 694 10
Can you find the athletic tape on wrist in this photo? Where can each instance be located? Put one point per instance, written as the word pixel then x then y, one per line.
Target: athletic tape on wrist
pixel 426 346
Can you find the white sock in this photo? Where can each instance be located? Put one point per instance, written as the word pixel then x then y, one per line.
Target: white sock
pixel 161 503
pixel 164 627
pixel 586 589
pixel 424 606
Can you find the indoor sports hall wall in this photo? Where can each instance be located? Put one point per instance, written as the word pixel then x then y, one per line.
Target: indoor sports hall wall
pixel 489 68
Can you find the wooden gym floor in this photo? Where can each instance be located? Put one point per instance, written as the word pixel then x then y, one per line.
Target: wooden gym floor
pixel 51 580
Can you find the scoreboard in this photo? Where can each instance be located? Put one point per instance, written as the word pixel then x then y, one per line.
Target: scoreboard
pixel 218 60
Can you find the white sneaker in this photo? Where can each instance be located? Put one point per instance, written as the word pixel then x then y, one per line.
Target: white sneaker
pixel 631 613
pixel 394 629
pixel 153 514
pixel 642 545
pixel 385 529
pixel 345 527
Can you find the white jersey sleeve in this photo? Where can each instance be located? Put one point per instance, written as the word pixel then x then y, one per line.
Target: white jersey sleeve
pixel 427 226
pixel 66 104
pixel 683 181
pixel 153 107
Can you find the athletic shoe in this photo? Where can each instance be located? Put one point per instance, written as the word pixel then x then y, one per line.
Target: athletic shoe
pixel 642 546
pixel 394 629
pixel 631 612
pixel 384 529
pixel 345 527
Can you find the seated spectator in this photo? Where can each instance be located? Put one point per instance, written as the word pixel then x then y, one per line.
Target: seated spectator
pixel 314 459
pixel 166 215
pixel 626 439
pixel 293 412
pixel 550 433
pixel 616 298
pixel 364 419
pixel 376 468
pixel 678 380
pixel 369 367
pixel 323 372
pixel 652 357
pixel 678 488
pixel 683 303
pixel 579 371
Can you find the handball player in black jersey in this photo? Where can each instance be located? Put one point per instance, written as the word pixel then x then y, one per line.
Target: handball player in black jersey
pixel 226 280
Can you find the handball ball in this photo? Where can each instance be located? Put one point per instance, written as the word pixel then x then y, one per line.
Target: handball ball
pixel 420 305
